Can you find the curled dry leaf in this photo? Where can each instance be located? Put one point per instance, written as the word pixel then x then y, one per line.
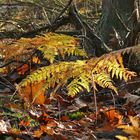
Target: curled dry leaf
pixel 133 130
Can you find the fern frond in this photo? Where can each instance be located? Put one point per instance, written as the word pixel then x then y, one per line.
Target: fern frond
pixel 81 74
pixel 104 80
pixel 49 44
pixel 113 64
pixel 60 45
pixel 131 50
pixel 55 72
pixel 79 84
pixel 19 47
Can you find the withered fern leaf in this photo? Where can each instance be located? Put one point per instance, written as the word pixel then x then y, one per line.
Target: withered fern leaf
pixel 50 45
pixel 83 73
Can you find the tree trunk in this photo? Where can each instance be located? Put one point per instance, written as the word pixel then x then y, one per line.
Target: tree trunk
pixel 118 26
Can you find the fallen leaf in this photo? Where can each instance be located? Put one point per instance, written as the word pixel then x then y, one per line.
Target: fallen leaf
pixel 34 93
pixel 21 70
pixel 24 123
pixel 37 133
pixel 113 116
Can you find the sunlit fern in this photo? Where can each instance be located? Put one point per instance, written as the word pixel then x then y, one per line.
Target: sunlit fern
pixel 81 75
pixel 50 44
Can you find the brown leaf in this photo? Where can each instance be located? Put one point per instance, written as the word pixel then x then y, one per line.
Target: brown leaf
pixel 64 118
pixel 37 133
pixel 113 116
pixel 33 93
pixel 47 129
pixel 23 69
pixel 106 127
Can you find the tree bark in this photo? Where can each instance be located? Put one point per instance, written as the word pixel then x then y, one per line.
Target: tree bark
pixel 92 44
pixel 119 25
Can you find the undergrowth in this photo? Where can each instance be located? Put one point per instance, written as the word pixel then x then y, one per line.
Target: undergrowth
pixel 73 76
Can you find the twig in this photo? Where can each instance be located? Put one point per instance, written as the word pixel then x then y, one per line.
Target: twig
pixel 57 24
pixel 63 11
pixel 7 81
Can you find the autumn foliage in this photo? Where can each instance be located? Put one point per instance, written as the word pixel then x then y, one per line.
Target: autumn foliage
pixel 52 70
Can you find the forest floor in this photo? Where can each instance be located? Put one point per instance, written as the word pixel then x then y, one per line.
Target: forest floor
pixel 87 116
pixel 66 118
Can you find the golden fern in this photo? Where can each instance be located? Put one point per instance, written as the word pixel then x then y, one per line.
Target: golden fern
pixel 82 74
pixel 56 72
pixel 49 44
